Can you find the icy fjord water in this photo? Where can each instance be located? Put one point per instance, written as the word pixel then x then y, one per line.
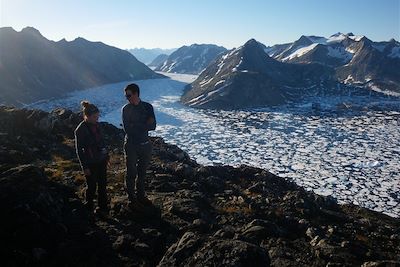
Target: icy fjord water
pixel 353 157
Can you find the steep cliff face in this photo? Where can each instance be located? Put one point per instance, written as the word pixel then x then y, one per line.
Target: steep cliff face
pixel 201 215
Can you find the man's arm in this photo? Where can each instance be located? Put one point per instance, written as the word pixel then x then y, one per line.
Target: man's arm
pixel 151 121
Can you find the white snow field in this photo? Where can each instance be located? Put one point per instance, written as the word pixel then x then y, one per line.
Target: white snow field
pixel 354 158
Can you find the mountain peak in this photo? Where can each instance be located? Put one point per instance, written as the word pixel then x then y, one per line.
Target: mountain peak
pixel 337 34
pixel 303 41
pixel 304 38
pixel 254 49
pixel 80 39
pixel 7 29
pixel 251 43
pixel 365 40
pixel 31 30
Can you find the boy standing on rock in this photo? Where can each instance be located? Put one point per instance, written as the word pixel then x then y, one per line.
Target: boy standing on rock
pixel 138 119
pixel 93 156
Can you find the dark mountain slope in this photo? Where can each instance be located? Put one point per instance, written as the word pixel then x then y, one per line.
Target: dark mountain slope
pixel 34 68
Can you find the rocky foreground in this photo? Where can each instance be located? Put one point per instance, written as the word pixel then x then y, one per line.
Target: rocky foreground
pixel 202 216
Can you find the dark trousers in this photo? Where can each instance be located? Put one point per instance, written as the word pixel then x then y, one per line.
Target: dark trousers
pixel 137 157
pixel 97 179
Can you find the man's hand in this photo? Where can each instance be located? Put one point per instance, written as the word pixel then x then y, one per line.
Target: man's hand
pixel 87 172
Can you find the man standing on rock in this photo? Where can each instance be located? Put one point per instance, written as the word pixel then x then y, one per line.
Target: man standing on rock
pixel 138 119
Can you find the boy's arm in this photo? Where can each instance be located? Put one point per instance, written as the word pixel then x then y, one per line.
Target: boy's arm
pixel 80 148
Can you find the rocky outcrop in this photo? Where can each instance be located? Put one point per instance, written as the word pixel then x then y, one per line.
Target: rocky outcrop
pixel 201 215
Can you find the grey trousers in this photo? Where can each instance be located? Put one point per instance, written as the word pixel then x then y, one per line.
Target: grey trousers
pixel 137 158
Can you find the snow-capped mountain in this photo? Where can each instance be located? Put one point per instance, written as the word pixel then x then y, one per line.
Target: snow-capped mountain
pixel 248 77
pixel 254 75
pixel 35 68
pixel 357 59
pixel 191 59
pixel 332 51
pixel 373 65
pixel 146 55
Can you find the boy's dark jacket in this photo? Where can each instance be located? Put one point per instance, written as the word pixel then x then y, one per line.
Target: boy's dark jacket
pixel 88 149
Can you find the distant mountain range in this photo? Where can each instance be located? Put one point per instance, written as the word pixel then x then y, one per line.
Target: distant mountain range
pixel 146 55
pixel 191 59
pixel 254 75
pixel 34 68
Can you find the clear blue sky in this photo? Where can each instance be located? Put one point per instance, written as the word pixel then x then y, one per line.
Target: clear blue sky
pixel 173 23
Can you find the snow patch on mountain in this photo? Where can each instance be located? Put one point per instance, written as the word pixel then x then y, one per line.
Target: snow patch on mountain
pixel 301 51
pixel 318 39
pixel 356 38
pixel 336 38
pixel 339 52
pixel 376 88
pixel 238 65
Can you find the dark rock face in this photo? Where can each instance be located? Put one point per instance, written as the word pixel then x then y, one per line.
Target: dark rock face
pixel 35 68
pixel 191 59
pixel 45 222
pixel 201 215
pixel 195 250
pixel 257 76
pixel 158 60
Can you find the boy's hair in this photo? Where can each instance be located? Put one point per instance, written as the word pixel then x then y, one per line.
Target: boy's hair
pixel 133 88
pixel 88 108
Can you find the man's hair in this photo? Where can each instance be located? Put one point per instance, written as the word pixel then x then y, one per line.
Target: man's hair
pixel 133 88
